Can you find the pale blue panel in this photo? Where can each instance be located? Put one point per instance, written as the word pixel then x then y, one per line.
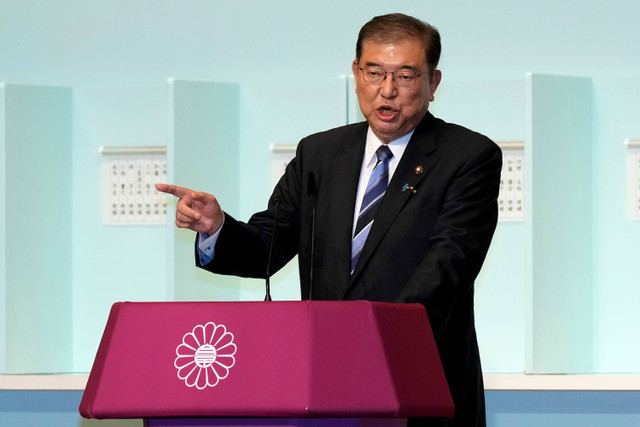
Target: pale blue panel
pixel 3 229
pixel 280 113
pixel 37 149
pixel 499 302
pixel 112 262
pixel 494 108
pixel 203 154
pixel 617 248
pixel 558 208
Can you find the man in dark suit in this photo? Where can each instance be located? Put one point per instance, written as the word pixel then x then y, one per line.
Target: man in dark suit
pixel 427 232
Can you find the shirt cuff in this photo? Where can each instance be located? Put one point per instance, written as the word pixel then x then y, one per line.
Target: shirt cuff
pixel 207 244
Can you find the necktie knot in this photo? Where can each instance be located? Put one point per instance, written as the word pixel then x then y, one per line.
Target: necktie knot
pixel 383 154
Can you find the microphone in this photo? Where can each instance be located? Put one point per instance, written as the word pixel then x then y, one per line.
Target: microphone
pixel 276 203
pixel 312 191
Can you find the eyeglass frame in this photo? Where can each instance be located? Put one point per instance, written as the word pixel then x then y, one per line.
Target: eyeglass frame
pixel 393 75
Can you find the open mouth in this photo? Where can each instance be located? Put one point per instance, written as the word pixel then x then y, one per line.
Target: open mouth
pixel 386 112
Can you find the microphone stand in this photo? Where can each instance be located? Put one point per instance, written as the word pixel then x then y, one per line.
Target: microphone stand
pixel 312 191
pixel 276 203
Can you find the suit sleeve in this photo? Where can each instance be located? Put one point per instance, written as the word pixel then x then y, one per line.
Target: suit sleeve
pixel 242 248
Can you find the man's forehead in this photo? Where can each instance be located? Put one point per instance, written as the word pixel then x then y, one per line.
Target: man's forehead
pixel 399 41
pixel 398 51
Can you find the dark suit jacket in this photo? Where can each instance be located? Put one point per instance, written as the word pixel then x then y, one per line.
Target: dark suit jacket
pixel 425 246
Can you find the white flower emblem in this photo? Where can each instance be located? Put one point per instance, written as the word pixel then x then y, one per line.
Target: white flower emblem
pixel 205 356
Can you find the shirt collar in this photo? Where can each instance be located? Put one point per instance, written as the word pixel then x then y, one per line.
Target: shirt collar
pixel 396 146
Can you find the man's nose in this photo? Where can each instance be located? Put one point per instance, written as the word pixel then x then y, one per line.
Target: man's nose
pixel 388 87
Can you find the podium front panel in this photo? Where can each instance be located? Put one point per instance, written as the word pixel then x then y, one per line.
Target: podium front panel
pixel 266 359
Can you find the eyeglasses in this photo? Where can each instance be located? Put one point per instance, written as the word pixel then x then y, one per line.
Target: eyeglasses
pixel 375 75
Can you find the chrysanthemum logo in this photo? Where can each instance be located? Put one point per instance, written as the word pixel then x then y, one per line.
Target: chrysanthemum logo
pixel 205 356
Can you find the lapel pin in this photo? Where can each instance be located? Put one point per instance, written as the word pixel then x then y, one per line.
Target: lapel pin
pixel 419 170
pixel 407 187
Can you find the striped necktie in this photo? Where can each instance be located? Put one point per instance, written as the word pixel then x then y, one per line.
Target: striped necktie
pixel 373 195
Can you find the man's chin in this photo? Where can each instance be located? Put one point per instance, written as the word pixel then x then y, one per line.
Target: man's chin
pixel 387 132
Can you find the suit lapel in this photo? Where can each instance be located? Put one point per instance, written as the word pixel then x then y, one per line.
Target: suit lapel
pixel 346 169
pixel 414 165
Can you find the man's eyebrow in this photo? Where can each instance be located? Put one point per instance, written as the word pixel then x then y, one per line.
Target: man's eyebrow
pixel 402 67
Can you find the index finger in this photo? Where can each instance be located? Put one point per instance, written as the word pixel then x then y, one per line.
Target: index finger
pixel 205 198
pixel 179 192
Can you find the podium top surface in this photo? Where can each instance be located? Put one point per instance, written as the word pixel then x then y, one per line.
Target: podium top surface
pixel 266 359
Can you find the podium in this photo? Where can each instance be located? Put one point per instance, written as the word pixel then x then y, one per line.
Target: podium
pixel 267 363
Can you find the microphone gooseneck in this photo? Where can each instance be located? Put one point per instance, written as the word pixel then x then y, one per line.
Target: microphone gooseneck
pixel 276 203
pixel 312 191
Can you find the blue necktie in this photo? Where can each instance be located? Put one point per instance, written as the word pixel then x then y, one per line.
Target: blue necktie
pixel 373 195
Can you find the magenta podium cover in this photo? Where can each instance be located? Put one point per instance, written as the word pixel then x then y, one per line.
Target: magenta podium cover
pixel 266 359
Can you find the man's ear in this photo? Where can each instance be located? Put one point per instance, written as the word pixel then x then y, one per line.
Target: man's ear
pixel 354 68
pixel 436 76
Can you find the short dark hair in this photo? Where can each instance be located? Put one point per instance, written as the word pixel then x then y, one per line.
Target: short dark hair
pixel 397 27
